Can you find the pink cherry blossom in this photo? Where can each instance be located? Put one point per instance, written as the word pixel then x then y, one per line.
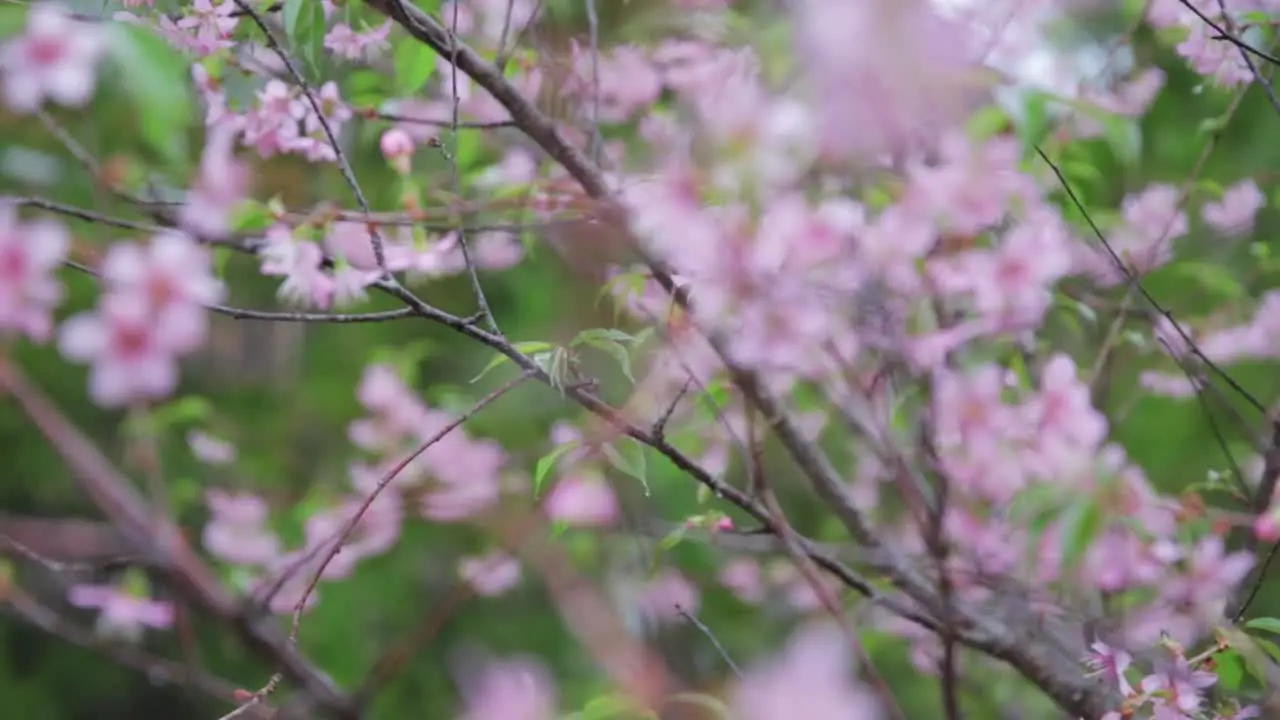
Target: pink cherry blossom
pixel 893 69
pixel 510 690
pixel 30 253
pixel 345 42
pixel 237 530
pixel 579 499
pixel 375 533
pixel 209 449
pixel 492 574
pixel 121 611
pixel 812 678
pixel 223 183
pixel 743 578
pixel 398 148
pixel 663 597
pixel 56 58
pixel 132 360
pixel 298 261
pixel 1234 213
pixel 173 275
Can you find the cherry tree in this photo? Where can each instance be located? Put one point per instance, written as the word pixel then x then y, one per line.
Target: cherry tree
pixel 874 323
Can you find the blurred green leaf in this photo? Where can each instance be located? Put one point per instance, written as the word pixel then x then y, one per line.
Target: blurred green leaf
pixel 156 77
pixel 305 27
pixel 415 63
pixel 628 456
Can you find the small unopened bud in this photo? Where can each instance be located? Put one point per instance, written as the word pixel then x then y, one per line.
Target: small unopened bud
pixel 397 147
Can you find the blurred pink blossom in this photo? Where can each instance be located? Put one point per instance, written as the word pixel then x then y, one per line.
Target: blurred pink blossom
pixel 510 690
pixel 30 254
pixel 132 360
pixel 663 597
pixel 122 612
pixel 223 183
pixel 579 499
pixel 1234 213
pixel 743 578
pixel 237 530
pixel 492 574
pixel 209 449
pixel 56 58
pixel 812 679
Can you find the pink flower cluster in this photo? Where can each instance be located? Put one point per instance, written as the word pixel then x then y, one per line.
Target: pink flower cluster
pixel 151 312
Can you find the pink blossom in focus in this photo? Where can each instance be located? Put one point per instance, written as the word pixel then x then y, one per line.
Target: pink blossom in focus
pixel 56 58
pixel 237 530
pixel 30 254
pixel 1234 213
pixel 510 690
pixel 813 678
pixel 122 612
pixel 582 500
pixel 492 574
pixel 298 261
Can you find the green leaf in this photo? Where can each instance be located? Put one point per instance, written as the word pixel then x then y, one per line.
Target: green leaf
pixel 987 122
pixel 1267 624
pixel 1123 135
pixel 252 216
pixel 304 25
pixel 156 77
pixel 592 335
pixel 671 539
pixel 1230 669
pixel 1080 525
pixel 530 348
pixel 1214 278
pixel 546 462
pixel 1035 122
pixel 627 456
pixel 709 702
pixel 415 63
pixel 619 353
pixel 13 19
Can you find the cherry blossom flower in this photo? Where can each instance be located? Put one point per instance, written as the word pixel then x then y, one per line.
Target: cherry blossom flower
pixel 1234 213
pixel 237 530
pixel 492 574
pixel 122 612
pixel 173 275
pixel 743 578
pixel 222 184
pixel 56 58
pixel 30 253
pixel 510 690
pixel 211 25
pixel 663 597
pixel 345 42
pixel 398 148
pixel 298 261
pixel 132 359
pixel 209 449
pixel 812 678
pixel 583 500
